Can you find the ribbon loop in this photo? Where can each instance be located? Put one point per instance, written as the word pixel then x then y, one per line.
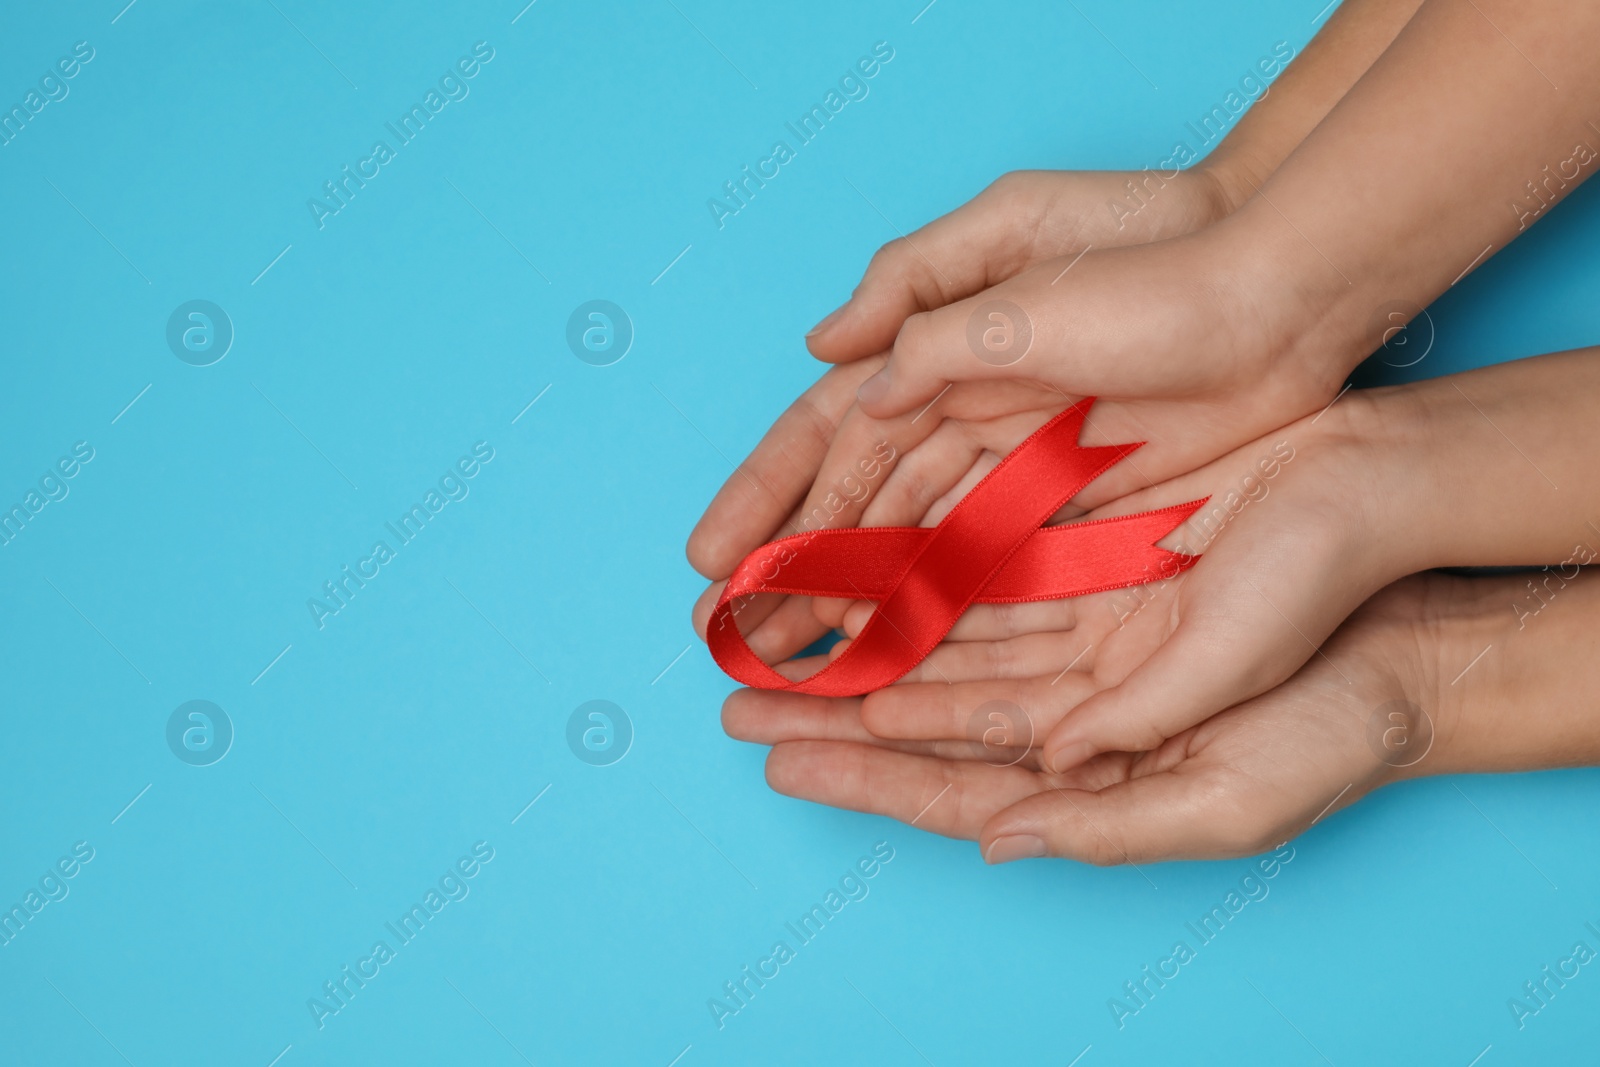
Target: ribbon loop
pixel 991 548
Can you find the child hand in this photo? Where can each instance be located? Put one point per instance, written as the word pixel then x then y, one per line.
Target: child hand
pixel 1290 550
pixel 1302 525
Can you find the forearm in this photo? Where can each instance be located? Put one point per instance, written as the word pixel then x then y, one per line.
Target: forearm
pixel 1316 80
pixel 1491 467
pixel 1416 175
pixel 1300 97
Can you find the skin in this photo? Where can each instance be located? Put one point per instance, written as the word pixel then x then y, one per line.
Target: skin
pixel 1024 220
pixel 1271 307
pixel 1255 775
pixel 1202 341
pixel 1392 197
pixel 1303 526
pixel 1032 217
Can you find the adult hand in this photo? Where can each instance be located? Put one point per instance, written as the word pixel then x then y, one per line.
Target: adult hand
pixel 1235 785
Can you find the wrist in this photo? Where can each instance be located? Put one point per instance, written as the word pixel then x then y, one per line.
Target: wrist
pixel 1433 642
pixel 1142 207
pixel 1349 501
pixel 1324 315
pixel 1285 317
pixel 1395 457
pixel 1506 691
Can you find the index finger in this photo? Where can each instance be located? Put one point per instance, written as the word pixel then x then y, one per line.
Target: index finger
pixel 950 797
pixel 761 493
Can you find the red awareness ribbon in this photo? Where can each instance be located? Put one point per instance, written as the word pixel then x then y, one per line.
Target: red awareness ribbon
pixel 992 549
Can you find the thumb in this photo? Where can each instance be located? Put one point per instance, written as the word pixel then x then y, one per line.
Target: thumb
pixel 984 241
pixel 1198 671
pixel 1230 644
pixel 1015 330
pixel 1178 814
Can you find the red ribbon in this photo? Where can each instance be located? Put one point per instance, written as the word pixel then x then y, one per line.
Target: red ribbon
pixel 992 548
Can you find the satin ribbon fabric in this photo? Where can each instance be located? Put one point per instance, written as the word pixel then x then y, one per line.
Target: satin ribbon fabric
pixel 992 548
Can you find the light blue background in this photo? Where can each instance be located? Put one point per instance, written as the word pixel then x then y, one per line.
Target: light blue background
pixel 378 750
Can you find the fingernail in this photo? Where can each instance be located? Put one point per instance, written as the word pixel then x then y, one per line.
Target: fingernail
pixel 1070 755
pixel 828 320
pixel 874 388
pixel 1015 847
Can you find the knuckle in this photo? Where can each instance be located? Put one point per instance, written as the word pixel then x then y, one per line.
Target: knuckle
pixel 915 341
pixel 1097 849
pixel 1000 658
pixel 878 717
pixel 1007 619
pixel 912 484
pixel 889 256
pixel 1024 196
pixel 1009 184
pixel 1078 834
pixel 1138 736
pixel 811 422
